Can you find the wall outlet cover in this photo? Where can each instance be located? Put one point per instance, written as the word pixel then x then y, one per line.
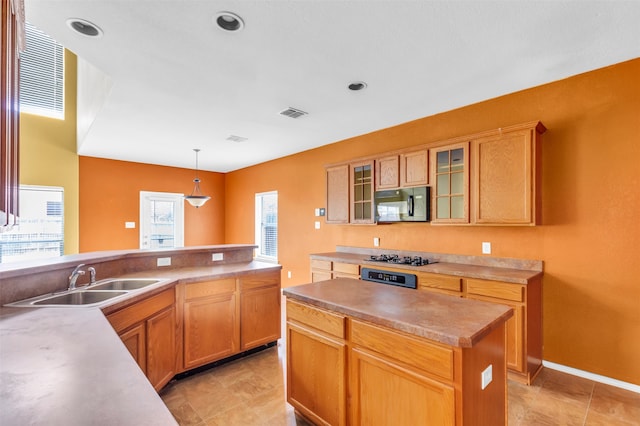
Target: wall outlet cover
pixel 130 225
pixel 217 256
pixel 164 261
pixel 486 248
pixel 486 376
pixel 317 224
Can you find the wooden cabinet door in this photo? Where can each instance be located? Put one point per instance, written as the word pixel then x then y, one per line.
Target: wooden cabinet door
pixel 385 393
pixel 161 347
pixel 388 172
pixel 414 168
pixel 503 179
pixel 361 192
pixel 260 311
pixel 134 340
pixel 450 179
pixel 316 375
pixel 338 194
pixel 210 329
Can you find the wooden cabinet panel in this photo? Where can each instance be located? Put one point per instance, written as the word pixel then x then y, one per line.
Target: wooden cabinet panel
pixel 387 172
pixel 495 289
pixel 426 356
pixel 161 347
pixel 210 329
pixel 361 192
pixel 320 276
pixel 260 316
pixel 125 318
pixel 210 288
pixel 414 168
pixel 321 264
pixel 337 194
pixel 440 282
pixel 319 319
pixel 316 375
pixel 384 393
pixel 134 340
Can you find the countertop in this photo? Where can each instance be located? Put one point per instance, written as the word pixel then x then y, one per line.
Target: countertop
pixel 508 273
pixel 449 320
pixel 68 366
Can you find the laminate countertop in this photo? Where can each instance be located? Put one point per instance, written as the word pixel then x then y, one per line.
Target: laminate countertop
pixel 450 320
pixel 507 270
pixel 67 366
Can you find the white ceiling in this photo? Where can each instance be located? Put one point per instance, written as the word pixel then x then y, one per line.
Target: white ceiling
pixel 163 79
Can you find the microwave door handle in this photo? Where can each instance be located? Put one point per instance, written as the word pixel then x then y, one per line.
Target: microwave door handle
pixel 410 205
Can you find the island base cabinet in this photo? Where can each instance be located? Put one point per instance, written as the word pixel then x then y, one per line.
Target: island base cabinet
pixel 316 376
pixel 161 335
pixel 260 310
pixel 384 393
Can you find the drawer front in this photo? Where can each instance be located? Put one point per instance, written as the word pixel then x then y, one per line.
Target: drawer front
pixel 265 279
pixel 320 276
pixel 442 282
pixel 497 289
pixel 125 318
pixel 210 288
pixel 426 356
pixel 346 268
pixel 322 320
pixel 321 264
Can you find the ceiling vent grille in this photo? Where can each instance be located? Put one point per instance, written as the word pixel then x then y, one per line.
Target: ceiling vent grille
pixel 293 113
pixel 234 138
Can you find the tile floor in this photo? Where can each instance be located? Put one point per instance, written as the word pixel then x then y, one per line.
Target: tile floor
pixel 250 391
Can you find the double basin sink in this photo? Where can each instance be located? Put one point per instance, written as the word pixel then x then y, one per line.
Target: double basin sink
pixel 91 295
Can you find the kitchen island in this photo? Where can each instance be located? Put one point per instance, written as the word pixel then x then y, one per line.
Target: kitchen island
pixel 367 353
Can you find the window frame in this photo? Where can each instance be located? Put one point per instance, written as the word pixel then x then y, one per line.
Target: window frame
pixel 258 227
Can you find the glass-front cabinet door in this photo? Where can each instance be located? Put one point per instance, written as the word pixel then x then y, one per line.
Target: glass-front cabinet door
pixel 361 192
pixel 450 175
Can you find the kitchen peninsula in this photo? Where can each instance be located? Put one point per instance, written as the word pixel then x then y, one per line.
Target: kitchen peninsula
pixel 398 356
pixel 82 365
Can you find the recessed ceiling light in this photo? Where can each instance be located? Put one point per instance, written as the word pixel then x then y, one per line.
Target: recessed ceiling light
pixel 84 27
pixel 357 85
pixel 229 21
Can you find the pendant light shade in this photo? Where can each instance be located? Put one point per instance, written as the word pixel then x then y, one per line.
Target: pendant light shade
pixel 196 199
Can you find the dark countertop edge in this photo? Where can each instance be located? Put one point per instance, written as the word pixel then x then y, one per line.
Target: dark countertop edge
pixel 9 270
pixel 523 276
pixel 407 327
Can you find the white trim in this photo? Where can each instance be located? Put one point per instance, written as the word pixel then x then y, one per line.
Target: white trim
pixel 592 376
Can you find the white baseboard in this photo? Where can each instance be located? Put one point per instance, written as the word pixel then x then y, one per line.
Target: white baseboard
pixel 592 376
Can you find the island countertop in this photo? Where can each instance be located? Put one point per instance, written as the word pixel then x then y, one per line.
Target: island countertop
pixel 445 319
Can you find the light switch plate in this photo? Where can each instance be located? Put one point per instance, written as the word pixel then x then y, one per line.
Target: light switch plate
pixel 376 242
pixel 217 256
pixel 164 261
pixel 486 376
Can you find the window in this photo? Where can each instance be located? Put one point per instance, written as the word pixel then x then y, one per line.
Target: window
pixel 40 230
pixel 161 220
pixel 42 75
pixel 266 226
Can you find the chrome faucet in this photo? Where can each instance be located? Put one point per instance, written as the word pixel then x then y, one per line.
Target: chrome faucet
pixel 74 276
pixel 92 275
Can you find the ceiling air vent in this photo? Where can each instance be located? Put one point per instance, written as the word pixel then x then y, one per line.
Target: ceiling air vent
pixel 234 138
pixel 293 113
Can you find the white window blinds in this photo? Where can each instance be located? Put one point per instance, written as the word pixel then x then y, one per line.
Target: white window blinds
pixel 266 226
pixel 42 75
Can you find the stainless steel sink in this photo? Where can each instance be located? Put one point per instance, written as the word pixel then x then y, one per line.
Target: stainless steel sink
pixel 122 284
pixel 79 298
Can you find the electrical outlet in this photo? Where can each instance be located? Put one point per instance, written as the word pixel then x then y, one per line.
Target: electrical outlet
pixel 317 224
pixel 486 248
pixel 486 376
pixel 288 274
pixel 130 225
pixel 164 261
pixel 317 212
pixel 217 256
pixel 376 242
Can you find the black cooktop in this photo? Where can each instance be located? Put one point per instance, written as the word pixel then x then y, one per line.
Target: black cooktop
pixel 400 260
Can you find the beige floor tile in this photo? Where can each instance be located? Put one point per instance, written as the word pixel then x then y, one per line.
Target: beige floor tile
pixel 617 404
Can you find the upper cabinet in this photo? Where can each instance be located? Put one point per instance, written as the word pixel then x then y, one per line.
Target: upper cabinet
pixel 489 178
pixel 506 176
pixel 450 177
pixel 414 168
pixel 338 194
pixel 361 192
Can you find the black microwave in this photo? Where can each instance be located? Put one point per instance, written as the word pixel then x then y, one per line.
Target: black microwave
pixel 403 205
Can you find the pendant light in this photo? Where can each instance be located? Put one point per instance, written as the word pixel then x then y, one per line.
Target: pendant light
pixel 196 199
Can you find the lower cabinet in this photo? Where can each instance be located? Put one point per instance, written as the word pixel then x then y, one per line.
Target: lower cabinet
pixel 342 370
pixel 148 330
pixel 316 364
pixel 210 322
pixel 260 309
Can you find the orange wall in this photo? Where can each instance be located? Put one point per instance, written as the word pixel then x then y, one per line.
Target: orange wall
pixel 591 210
pixel 110 196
